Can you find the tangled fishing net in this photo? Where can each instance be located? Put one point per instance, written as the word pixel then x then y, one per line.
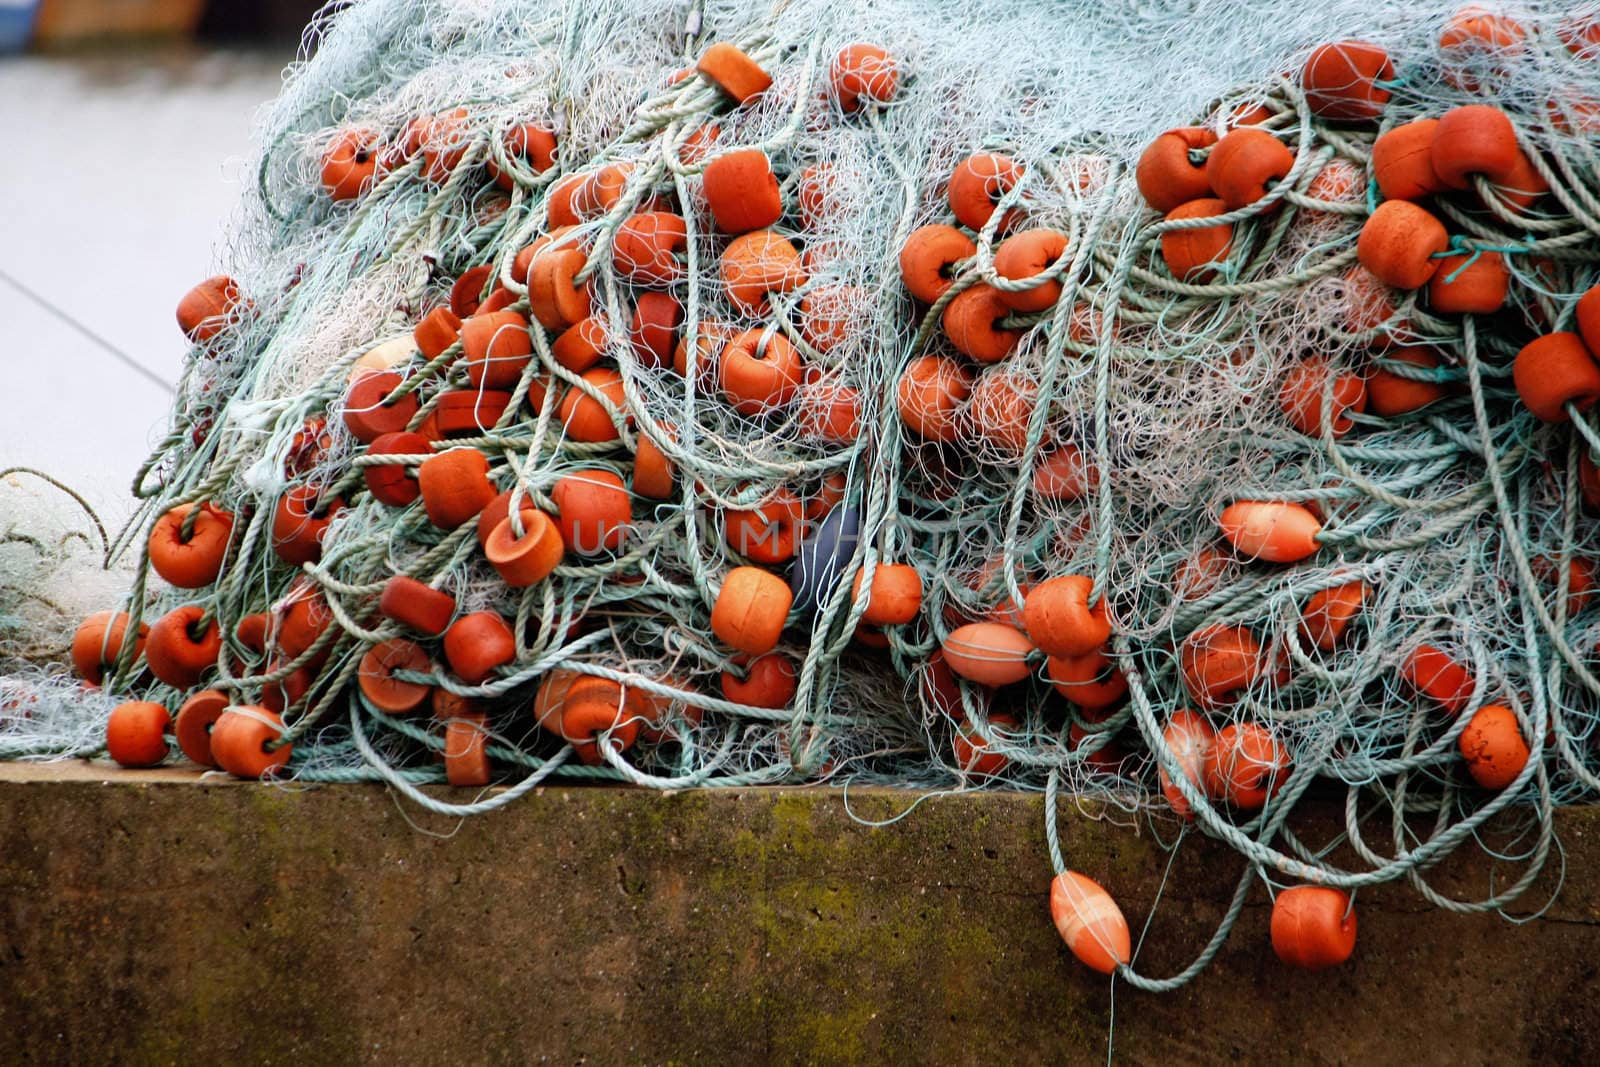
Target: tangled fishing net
pixel 1187 408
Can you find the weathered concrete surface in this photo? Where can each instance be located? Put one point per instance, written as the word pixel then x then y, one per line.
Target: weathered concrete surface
pixel 152 919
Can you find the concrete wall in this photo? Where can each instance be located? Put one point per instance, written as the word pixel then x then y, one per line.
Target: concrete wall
pixel 149 918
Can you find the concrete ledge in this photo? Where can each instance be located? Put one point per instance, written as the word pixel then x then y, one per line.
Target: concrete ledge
pixel 155 917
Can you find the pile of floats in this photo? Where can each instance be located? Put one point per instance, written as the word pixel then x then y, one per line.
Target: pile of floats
pixel 543 342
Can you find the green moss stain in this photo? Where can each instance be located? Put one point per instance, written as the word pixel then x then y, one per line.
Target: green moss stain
pixel 846 933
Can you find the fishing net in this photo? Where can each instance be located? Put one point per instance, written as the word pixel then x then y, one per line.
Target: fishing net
pixel 687 395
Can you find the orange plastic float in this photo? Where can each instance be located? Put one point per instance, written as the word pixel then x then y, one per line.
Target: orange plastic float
pixel 382 689
pixel 469 412
pixel 532 145
pixel 928 257
pixel 414 604
pixel 710 338
pixel 751 610
pixel 654 476
pixel 1398 243
pixel 1244 164
pixel 1342 81
pixel 390 483
pixel 653 329
pixel 1493 747
pixel 550 699
pixel 1389 394
pixel 760 371
pixel 1338 182
pixel 466 752
pixel 1200 574
pixel 581 345
pixel 1217 662
pixel 1329 613
pixel 194 561
pixel 176 652
pixel 594 511
pixel 447 705
pixel 589 420
pixel 999 409
pixel 466 295
pixel 1246 765
pixel 1029 254
pixel 1060 621
pixel 1474 140
pixel 1313 927
pixel 699 143
pixel 769 532
pixel 895 597
pixel 1302 392
pixel 565 235
pixel 1554 371
pixel 1582 578
pixel 208 308
pixel 239 742
pixel 977 756
pixel 733 72
pixel 478 643
pixel 646 246
pixel 253 631
pixel 455 486
pixel 438 330
pixel 1169 174
pixel 192 728
pixel 285 693
pixel 368 414
pixel 1275 532
pixel 972 322
pixel 818 190
pixel 1190 737
pixel 989 653
pixel 531 558
pixel 1469 283
pixel 445 139
pixel 496 347
pixel 1588 313
pixel 977 185
pixel 299 522
pixel 756 264
pixel 350 165
pixel 304 620
pixel 1580 32
pixel 1192 254
pixel 1064 474
pixel 833 315
pixel 1402 161
pixel 768 682
pixel 1092 681
pixel 596 706
pixel 554 296
pixel 742 192
pixel 602 190
pixel 1477 40
pixel 136 734
pixel 1090 922
pixel 561 205
pixel 862 72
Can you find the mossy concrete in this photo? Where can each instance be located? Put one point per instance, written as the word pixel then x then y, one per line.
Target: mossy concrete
pixel 157 918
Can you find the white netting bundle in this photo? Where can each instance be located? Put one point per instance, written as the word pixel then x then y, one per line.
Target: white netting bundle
pixel 1189 402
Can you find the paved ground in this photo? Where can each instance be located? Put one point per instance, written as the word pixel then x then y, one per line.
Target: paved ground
pixel 123 175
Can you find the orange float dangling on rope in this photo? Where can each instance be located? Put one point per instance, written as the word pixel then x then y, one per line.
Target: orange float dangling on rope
pixel 1090 922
